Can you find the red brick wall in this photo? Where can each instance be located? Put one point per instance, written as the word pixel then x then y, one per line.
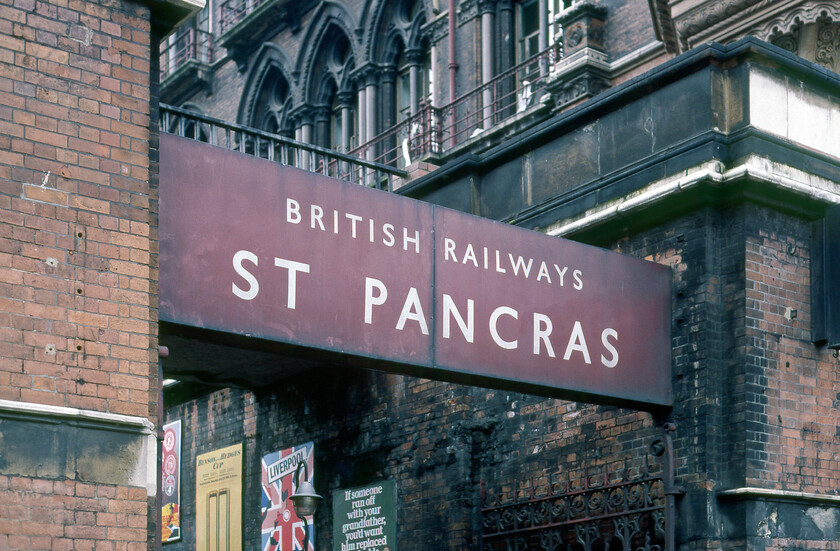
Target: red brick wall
pixel 792 428
pixel 63 515
pixel 77 303
pixel 77 312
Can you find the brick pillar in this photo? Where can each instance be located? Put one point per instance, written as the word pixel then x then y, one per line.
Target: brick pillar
pixel 78 331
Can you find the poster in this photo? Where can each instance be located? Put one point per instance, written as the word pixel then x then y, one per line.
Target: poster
pixel 365 518
pixel 218 500
pixel 282 530
pixel 170 462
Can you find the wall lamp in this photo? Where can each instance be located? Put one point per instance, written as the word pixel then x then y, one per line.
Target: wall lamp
pixel 305 500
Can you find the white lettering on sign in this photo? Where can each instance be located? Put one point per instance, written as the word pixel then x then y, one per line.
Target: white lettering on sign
pixel 357 226
pixel 450 311
pixel 254 286
pixel 294 268
pixel 494 331
pixel 503 322
pixel 371 300
pixel 505 262
pixel 413 310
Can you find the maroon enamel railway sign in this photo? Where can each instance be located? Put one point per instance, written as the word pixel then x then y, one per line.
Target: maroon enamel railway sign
pixel 255 248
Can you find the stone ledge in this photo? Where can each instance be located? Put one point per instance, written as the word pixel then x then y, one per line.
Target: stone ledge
pixel 46 413
pixel 787 495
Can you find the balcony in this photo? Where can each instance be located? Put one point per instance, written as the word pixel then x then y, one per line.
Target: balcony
pixel 487 110
pixel 185 62
pixel 243 24
pixel 277 148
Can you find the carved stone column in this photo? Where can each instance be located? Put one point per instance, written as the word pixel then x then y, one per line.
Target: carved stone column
pixel 387 80
pixel 345 101
pixel 302 118
pixel 415 62
pixel 371 97
pixel 321 120
pixel 487 9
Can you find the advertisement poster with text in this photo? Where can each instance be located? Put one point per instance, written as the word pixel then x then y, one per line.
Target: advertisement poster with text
pixel 170 462
pixel 218 500
pixel 365 518
pixel 282 529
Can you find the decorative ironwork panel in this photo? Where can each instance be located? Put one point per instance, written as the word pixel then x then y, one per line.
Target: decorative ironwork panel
pixel 607 511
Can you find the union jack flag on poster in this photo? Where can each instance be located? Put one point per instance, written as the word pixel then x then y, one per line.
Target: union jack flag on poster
pixel 282 530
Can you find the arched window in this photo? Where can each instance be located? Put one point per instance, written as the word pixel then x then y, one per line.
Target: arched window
pixel 331 93
pixel 408 56
pixel 271 104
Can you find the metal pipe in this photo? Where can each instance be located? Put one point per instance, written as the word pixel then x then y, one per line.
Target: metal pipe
pixel 453 67
pixel 543 36
pixel 159 450
pixel 671 490
pixel 487 66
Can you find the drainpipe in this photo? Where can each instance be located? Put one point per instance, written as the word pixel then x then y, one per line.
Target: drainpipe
pixel 453 67
pixel 159 451
pixel 487 63
pixel 543 36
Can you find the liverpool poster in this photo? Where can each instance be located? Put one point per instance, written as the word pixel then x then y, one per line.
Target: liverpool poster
pixel 282 530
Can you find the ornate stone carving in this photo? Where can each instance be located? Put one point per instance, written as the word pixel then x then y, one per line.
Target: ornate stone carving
pixel 583 27
pixel 789 41
pixel 802 15
pixel 712 13
pixel 828 39
pixel 581 87
pixel 466 11
pixel 437 29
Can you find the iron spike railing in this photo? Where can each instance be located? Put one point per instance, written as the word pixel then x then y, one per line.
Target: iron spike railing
pixel 439 129
pixel 278 148
pixel 188 44
pixel 612 510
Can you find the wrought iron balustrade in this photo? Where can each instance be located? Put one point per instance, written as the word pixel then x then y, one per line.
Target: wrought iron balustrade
pixel 405 142
pixel 509 93
pixel 188 44
pixel 610 511
pixel 437 129
pixel 277 148
pixel 234 11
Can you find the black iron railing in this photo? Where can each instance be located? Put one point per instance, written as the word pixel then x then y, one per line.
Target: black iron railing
pixel 277 148
pixel 188 44
pixel 611 510
pixel 437 129
pixel 232 12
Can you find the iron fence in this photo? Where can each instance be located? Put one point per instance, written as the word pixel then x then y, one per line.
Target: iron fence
pixel 610 511
pixel 188 44
pixel 437 129
pixel 232 12
pixel 277 148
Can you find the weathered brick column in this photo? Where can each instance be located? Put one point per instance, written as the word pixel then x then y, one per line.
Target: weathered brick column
pixel 78 331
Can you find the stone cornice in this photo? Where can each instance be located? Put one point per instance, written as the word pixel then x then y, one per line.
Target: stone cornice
pixel 773 175
pixel 714 20
pixel 783 495
pixel 61 414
